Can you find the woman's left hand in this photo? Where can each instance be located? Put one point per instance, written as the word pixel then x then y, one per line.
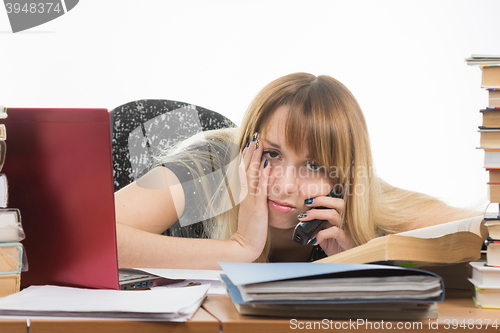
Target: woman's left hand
pixel 333 239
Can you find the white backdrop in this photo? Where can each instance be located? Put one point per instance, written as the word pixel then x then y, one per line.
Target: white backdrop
pixel 403 60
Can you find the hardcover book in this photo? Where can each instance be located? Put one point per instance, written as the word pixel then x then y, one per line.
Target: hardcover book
pixel 491 77
pixel 493 252
pixel 448 243
pixel 491 117
pixel 494 98
pixel 483 275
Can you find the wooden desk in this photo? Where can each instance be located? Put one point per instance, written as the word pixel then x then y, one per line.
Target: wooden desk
pixel 218 314
pixel 13 325
pixel 458 306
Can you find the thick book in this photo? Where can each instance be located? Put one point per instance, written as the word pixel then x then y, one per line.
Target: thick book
pixel 332 290
pixel 493 226
pixel 11 229
pixel 493 252
pixel 493 192
pixel 490 77
pixel 9 284
pixel 491 117
pixel 486 298
pixel 447 243
pixel 494 176
pixel 484 275
pixel 11 258
pixel 489 138
pixel 4 192
pixel 491 159
pixel 485 285
pixel 494 98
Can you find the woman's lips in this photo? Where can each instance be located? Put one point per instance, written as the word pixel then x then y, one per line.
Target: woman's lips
pixel 280 208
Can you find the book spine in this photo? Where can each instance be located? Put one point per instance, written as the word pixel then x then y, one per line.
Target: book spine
pixel 4 192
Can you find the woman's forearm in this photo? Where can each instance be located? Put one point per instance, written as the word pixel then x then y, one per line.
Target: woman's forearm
pixel 141 249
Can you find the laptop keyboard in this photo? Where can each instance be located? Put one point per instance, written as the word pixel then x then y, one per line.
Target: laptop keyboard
pixel 122 277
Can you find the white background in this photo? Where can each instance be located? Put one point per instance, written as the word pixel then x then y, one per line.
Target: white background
pixel 403 60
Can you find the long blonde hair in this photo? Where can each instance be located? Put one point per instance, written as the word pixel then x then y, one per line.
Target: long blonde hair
pixel 324 115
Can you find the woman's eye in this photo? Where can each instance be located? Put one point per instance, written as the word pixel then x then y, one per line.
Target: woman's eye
pixel 312 166
pixel 271 154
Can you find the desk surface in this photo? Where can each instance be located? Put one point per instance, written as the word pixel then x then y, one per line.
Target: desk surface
pixel 218 314
pixel 457 307
pixel 13 325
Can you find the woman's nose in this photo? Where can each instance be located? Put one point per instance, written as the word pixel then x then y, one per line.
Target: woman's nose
pixel 289 181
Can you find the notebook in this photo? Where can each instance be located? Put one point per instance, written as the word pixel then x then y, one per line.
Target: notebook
pixel 60 172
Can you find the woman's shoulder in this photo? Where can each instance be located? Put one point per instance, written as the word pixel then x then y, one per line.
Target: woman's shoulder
pixel 222 135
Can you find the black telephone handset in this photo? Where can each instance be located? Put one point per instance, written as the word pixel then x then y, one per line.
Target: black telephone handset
pixel 305 231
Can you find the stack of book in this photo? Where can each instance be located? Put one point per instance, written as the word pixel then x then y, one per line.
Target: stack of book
pixel 333 291
pixel 485 276
pixel 485 285
pixel 11 231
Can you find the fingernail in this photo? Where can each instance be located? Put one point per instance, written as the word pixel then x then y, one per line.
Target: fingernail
pixel 314 241
pixel 248 144
pixel 309 201
pixel 265 163
pixel 302 215
pixel 255 135
pixel 256 144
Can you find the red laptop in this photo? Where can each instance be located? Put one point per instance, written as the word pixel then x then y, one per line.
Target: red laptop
pixel 59 171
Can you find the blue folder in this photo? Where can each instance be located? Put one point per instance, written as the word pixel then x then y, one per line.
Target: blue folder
pixel 237 274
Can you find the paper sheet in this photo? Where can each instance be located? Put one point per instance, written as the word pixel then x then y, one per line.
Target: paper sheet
pixel 157 303
pixel 188 274
pixel 216 287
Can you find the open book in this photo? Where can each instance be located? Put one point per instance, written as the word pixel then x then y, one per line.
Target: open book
pixel 447 243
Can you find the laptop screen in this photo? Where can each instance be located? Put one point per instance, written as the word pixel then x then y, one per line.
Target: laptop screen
pixel 59 170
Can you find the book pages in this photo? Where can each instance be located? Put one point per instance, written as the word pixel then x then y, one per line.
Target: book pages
pixel 471 224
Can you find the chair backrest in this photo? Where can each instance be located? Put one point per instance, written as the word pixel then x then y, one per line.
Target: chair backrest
pixel 140 129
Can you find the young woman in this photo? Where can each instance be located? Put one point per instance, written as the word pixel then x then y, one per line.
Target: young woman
pixel 301 138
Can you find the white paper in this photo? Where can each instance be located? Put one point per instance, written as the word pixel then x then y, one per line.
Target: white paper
pixel 188 274
pixel 216 287
pixel 138 304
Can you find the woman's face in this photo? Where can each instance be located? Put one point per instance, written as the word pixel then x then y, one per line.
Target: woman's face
pixel 293 179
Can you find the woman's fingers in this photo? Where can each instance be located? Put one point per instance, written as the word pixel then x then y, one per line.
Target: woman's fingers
pixel 254 170
pixel 249 150
pixel 331 215
pixel 324 201
pixel 246 160
pixel 334 240
pixel 264 180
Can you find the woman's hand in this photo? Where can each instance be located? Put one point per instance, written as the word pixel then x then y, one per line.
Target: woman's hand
pixel 253 213
pixel 333 239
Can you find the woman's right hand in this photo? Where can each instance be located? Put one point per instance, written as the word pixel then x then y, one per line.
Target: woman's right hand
pixel 253 213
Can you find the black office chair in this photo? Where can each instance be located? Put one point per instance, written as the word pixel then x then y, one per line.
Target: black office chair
pixel 140 129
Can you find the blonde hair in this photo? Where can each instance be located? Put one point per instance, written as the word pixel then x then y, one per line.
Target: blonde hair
pixel 326 117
